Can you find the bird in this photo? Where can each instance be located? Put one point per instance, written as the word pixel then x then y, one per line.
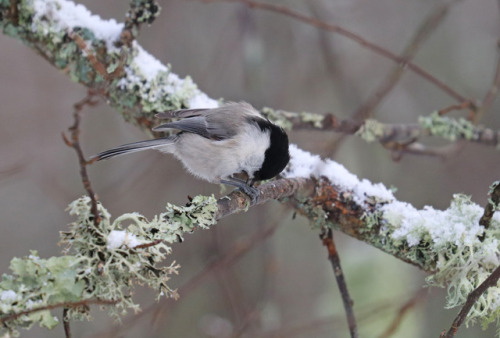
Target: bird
pixel 232 144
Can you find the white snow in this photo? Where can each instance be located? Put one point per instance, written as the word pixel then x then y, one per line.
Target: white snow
pixel 8 296
pixel 305 164
pixel 66 14
pixel 117 238
pixel 459 224
pixel 202 101
pixel 147 63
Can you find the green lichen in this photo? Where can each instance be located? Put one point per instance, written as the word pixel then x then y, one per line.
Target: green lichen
pixel 94 268
pixel 371 130
pixel 279 117
pixel 316 120
pixel 36 282
pixel 284 118
pixel 143 11
pixel 448 128
pixel 461 261
pixel 493 200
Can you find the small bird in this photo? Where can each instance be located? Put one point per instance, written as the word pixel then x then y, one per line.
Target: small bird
pixel 232 144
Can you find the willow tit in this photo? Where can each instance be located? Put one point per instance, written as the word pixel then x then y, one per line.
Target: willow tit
pixel 220 145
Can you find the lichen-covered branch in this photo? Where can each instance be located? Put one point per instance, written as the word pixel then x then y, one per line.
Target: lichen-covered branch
pixel 97 54
pixel 371 130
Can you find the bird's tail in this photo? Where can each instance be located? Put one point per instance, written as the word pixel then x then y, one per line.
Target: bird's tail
pixel 133 147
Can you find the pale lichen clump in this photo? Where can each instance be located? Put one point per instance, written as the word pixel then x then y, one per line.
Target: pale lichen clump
pixel 371 130
pixel 129 248
pixel 449 128
pixel 283 118
pixel 451 238
pixel 34 283
pixel 102 262
pixel 156 88
pixel 279 117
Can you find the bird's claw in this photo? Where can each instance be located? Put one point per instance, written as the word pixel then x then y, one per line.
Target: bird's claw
pixel 252 192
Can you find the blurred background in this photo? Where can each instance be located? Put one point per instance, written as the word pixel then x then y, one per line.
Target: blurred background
pixel 283 285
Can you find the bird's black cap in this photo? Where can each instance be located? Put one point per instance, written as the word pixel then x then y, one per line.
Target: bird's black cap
pixel 276 157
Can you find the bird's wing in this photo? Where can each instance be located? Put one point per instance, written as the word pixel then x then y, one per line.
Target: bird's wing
pixel 214 129
pixel 214 123
pixel 195 125
pixel 181 113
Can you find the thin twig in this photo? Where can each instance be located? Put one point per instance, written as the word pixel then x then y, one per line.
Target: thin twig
pixel 367 313
pixel 66 323
pixel 490 96
pixel 230 286
pixel 12 170
pixel 352 36
pixel 86 302
pixel 427 27
pixel 75 144
pixel 471 300
pixel 461 106
pixel 416 148
pixel 333 257
pixel 403 310
pixel 148 245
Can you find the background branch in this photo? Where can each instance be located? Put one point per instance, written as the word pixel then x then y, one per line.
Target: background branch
pixel 333 257
pixel 377 49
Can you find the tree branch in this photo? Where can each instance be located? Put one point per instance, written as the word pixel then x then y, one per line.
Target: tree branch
pixel 75 144
pixel 377 49
pixel 86 302
pixel 333 257
pixel 471 300
pixel 427 27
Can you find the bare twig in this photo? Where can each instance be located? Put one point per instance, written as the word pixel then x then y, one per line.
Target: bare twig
pixel 471 299
pixel 75 144
pixel 490 96
pixel 352 36
pixel 367 313
pixel 66 323
pixel 147 245
pixel 333 257
pixel 427 27
pixel 414 148
pixel 69 305
pixel 12 170
pixel 230 286
pixel 461 106
pixel 403 310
